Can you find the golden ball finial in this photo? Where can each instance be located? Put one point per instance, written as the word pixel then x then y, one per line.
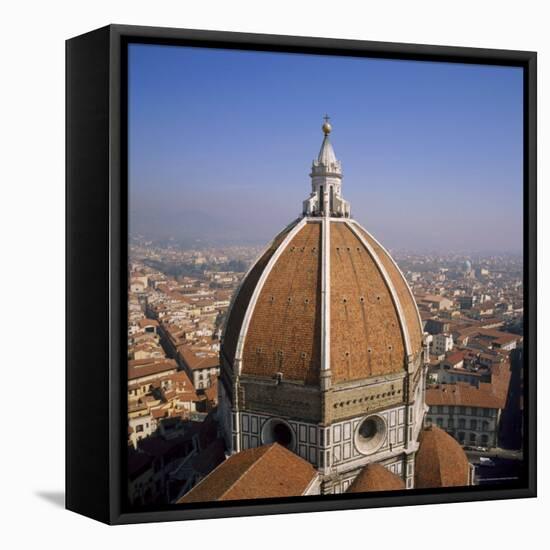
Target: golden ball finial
pixel 327 128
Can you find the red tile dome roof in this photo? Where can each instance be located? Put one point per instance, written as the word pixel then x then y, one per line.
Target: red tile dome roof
pixel 440 461
pixel 365 322
pixel 375 477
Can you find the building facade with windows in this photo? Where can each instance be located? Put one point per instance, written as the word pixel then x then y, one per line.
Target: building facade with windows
pixel 470 415
pixel 442 343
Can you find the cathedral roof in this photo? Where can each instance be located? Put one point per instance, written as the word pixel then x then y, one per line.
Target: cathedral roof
pixel 365 323
pixel 440 461
pixel 323 296
pixel 375 477
pixel 268 471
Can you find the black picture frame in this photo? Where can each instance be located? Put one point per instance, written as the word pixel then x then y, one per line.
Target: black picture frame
pixel 96 269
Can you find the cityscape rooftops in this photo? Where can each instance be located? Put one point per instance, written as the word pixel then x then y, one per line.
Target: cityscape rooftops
pixel 462 394
pixel 148 367
pixel 454 358
pixel 196 362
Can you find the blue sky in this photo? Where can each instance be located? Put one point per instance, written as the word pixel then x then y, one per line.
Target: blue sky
pixel 221 144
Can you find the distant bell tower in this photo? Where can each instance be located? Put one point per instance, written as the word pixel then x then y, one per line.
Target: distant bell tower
pixel 326 182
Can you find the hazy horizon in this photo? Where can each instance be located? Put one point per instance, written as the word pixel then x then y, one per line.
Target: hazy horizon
pixel 221 144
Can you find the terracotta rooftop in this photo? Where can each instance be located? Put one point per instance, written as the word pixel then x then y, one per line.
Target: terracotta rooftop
pixel 194 362
pixel 148 367
pixel 455 357
pixel 211 392
pixel 490 395
pixel 375 477
pixel 148 323
pixel 434 298
pixel 179 378
pixel 496 336
pixel 462 394
pixel 269 471
pixel 440 461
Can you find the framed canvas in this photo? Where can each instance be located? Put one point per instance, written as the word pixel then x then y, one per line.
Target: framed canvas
pixel 251 332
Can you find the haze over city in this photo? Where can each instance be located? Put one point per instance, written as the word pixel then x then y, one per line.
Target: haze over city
pixel 221 144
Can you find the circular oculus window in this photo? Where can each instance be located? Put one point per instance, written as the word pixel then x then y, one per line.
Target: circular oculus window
pixel 276 430
pixel 370 434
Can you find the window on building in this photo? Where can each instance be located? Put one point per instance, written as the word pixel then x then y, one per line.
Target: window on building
pixel 461 423
pixel 485 425
pixel 461 437
pixel 139 428
pixel 281 433
pixel 439 422
pixel 472 437
pixel 451 423
pixel 473 424
pixel 484 439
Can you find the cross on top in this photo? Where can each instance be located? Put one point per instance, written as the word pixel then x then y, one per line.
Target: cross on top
pixel 326 118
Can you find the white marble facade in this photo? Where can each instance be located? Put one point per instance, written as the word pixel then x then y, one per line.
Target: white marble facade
pixel 334 449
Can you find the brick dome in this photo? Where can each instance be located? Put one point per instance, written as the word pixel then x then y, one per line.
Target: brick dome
pixel 375 477
pixel 324 295
pixel 440 461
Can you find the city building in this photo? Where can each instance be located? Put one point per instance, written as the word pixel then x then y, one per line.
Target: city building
pixel 436 303
pixel 202 370
pixel 468 270
pixel 473 422
pixel 436 326
pixel 466 302
pixel 442 343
